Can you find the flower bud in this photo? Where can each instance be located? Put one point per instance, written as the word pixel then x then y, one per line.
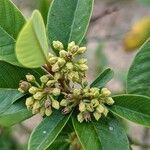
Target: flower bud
pixel 66 110
pixel 63 54
pixel 20 90
pixel 55 67
pixel 100 109
pixel 109 101
pixel 44 79
pixel 38 95
pixel 83 67
pixel 58 45
pixel 94 102
pixel 33 90
pixel 95 92
pixel 30 78
pixel 70 45
pixel 36 105
pixel 24 86
pixel 50 82
pixel 48 111
pixel 76 77
pixel 50 55
pixel 69 65
pixel 80 117
pixel 74 49
pixel 82 107
pixel 85 90
pixel 42 111
pixel 35 111
pixel 105 92
pixel 52 60
pixel 89 107
pixel 87 117
pixel 56 92
pixel 70 76
pixel 64 102
pixel 82 61
pixel 29 101
pixel 76 92
pixel 81 50
pixel 97 115
pixel 61 62
pixel 57 75
pixel 47 103
pixel 55 104
pixel 105 112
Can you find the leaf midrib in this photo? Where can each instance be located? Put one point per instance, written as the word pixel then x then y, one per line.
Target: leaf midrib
pixel 73 21
pixel 36 37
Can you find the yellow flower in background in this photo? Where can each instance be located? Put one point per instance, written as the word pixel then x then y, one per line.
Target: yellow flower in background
pixel 138 34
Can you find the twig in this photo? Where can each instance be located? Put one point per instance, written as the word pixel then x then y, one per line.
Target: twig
pixel 106 12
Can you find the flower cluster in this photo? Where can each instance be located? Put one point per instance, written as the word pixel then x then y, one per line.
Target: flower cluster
pixel 63 71
pixel 42 95
pixel 90 101
pixel 65 66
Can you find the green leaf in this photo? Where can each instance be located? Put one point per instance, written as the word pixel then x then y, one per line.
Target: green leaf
pixel 68 20
pixel 7 97
pixel 43 6
pixel 60 143
pixel 32 46
pixel 11 22
pixel 86 135
pixel 16 113
pixel 11 19
pixel 48 129
pixel 7 48
pixel 111 134
pixel 10 75
pixel 132 107
pixel 103 78
pixel 139 73
pixel 105 134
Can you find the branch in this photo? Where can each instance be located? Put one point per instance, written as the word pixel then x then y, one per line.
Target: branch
pixel 106 12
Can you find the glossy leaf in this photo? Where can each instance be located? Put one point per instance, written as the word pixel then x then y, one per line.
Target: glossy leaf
pixel 16 113
pixel 11 22
pixel 103 78
pixel 68 20
pixel 60 143
pixel 111 134
pixel 132 107
pixel 87 135
pixel 139 73
pixel 105 134
pixel 7 97
pixel 48 129
pixel 32 46
pixel 11 75
pixel 11 19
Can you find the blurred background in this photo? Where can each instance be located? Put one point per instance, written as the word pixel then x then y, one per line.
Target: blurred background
pixel 116 31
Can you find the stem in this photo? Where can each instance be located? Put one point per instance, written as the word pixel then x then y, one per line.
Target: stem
pixel 37 84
